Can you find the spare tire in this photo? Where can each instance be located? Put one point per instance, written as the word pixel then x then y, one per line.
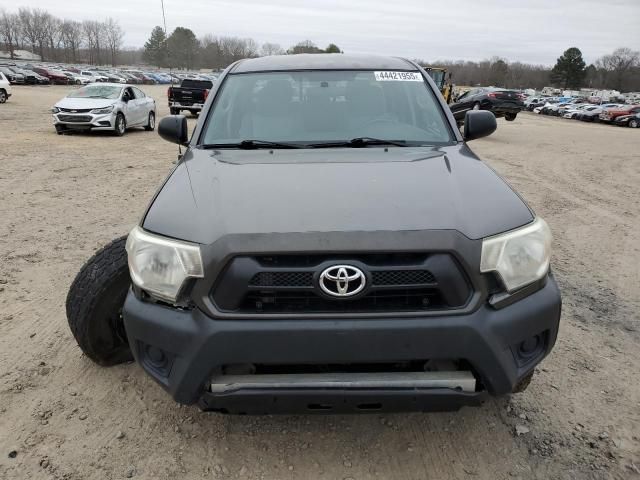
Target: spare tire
pixel 94 305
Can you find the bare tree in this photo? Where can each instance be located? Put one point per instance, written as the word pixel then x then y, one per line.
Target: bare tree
pixel 94 34
pixel 113 35
pixel 71 33
pixel 10 30
pixel 619 65
pixel 29 30
pixel 271 49
pixel 39 26
pixel 51 33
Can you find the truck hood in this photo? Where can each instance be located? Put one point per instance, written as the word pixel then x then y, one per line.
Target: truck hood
pixel 213 193
pixel 84 103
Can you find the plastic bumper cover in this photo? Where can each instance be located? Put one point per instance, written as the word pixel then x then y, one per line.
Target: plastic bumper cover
pixel 181 349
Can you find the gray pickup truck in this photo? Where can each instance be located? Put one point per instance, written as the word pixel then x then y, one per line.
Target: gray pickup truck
pixel 327 243
pixel 190 95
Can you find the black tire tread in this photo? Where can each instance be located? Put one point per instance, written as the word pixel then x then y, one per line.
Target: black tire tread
pixel 107 267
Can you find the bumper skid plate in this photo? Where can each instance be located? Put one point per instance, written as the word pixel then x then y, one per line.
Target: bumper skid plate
pixel 457 380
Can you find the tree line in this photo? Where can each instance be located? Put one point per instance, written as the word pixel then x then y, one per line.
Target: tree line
pixel 99 43
pixel 619 70
pixel 60 40
pixel 182 49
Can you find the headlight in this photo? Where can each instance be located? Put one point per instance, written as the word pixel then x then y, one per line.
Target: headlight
pixel 55 110
pixel 98 111
pixel 160 265
pixel 520 256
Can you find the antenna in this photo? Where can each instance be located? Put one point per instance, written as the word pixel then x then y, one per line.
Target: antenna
pixel 166 37
pixel 164 19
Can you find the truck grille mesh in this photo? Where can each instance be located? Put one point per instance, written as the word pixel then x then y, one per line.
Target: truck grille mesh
pixel 305 279
pixel 289 284
pixel 75 118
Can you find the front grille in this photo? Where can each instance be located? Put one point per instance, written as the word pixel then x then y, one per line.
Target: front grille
pixel 75 118
pixel 282 279
pixel 395 300
pixel 288 284
pixel 379 278
pixel 403 277
pixel 76 110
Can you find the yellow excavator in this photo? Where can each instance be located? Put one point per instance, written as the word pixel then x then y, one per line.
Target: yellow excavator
pixel 442 80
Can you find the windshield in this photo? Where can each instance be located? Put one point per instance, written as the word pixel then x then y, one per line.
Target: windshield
pixel 438 77
pixel 326 106
pixel 96 91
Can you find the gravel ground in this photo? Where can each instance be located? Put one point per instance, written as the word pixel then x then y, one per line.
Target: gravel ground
pixel 63 417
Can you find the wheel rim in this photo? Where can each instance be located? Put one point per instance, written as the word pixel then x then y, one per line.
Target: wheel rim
pixel 476 106
pixel 120 125
pixel 633 124
pixel 3 97
pixel 152 121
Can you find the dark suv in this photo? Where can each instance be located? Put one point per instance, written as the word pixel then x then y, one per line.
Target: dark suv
pixel 327 243
pixel 503 103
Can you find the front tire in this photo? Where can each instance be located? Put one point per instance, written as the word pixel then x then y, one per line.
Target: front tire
pixel 3 96
pixel 94 305
pixel 633 123
pixel 151 122
pixel 510 117
pixel 120 126
pixel 476 106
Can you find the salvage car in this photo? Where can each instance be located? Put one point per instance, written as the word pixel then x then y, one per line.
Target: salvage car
pixel 632 120
pixel 5 88
pixel 502 102
pixel 55 77
pixel 104 106
pixel 12 76
pixel 327 243
pixel 611 114
pixel 574 112
pixel 76 78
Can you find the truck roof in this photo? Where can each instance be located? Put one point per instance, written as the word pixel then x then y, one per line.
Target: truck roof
pixel 322 61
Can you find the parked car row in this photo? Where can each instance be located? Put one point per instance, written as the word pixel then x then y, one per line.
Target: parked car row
pixel 576 109
pixel 61 74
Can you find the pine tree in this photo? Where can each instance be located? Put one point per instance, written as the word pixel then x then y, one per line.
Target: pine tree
pixel 155 49
pixel 570 69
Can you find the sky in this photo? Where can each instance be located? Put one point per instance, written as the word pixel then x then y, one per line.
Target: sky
pixel 531 31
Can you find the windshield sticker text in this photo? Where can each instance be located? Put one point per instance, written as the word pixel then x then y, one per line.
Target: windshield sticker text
pixel 398 77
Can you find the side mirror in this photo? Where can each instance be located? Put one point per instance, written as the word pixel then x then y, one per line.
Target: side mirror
pixel 174 129
pixel 478 124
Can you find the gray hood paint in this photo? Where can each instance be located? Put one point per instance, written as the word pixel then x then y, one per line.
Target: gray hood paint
pixel 213 193
pixel 83 103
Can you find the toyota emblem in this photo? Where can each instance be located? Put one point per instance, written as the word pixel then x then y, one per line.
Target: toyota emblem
pixel 342 281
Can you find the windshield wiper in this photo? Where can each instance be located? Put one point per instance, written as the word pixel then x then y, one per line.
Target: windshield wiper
pixel 362 142
pixel 254 144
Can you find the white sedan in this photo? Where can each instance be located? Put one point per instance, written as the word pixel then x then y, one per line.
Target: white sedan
pixel 104 106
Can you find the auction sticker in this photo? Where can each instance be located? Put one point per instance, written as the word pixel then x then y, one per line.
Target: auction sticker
pixel 398 76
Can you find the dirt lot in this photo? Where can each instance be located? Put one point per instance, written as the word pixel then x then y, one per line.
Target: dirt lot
pixel 63 417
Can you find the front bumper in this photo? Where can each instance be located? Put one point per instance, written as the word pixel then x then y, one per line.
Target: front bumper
pixel 186 105
pixel 85 121
pixel 181 350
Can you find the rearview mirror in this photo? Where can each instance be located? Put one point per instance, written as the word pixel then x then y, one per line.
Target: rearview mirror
pixel 174 129
pixel 478 124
